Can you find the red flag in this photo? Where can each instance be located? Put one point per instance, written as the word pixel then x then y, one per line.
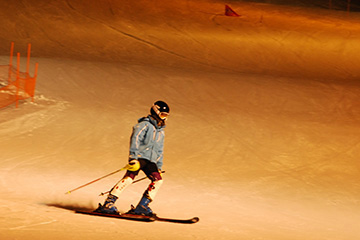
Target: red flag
pixel 230 12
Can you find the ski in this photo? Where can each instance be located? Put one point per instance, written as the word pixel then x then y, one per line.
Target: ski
pixel 174 220
pixel 121 216
pixel 141 218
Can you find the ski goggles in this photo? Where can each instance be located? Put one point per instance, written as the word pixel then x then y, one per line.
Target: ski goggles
pixel 162 115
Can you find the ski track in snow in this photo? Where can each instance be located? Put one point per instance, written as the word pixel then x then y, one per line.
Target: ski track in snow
pixel 144 41
pixel 31 225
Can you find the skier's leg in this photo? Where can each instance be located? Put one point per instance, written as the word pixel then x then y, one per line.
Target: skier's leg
pixel 109 204
pixel 152 172
pixel 121 185
pixel 156 182
pixel 143 206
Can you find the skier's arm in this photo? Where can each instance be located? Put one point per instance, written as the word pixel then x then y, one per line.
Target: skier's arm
pixel 159 161
pixel 137 137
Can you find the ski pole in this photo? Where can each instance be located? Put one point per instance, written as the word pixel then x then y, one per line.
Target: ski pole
pixel 121 169
pixel 138 180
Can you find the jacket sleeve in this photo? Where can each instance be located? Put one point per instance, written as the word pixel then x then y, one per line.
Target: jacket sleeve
pixel 137 136
pixel 159 161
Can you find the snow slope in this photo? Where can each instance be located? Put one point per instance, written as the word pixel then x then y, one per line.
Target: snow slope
pixel 263 138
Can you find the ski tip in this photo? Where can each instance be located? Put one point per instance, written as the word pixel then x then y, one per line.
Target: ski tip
pixel 195 220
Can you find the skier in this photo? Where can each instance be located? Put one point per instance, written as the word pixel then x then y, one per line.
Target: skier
pixel 146 154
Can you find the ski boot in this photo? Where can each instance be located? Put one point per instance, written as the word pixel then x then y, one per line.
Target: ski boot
pixel 142 208
pixel 109 206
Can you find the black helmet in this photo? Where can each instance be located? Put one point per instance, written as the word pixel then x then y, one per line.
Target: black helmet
pixel 160 110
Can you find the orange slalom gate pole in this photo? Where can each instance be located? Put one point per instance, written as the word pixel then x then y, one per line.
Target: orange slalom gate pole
pixel 17 81
pixel 28 59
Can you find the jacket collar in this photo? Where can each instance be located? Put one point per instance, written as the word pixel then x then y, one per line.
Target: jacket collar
pixel 152 120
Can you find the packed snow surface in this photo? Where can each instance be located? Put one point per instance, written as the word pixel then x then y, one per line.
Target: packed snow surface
pixel 263 140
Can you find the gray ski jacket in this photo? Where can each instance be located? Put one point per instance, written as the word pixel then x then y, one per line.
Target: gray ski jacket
pixel 147 141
